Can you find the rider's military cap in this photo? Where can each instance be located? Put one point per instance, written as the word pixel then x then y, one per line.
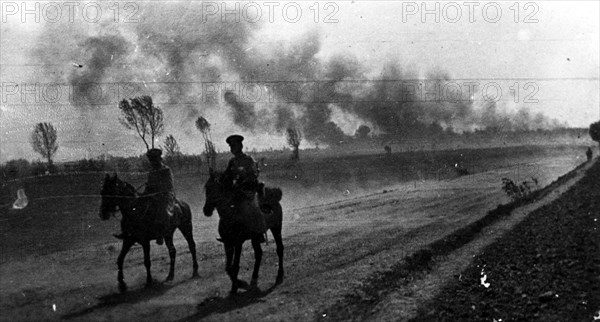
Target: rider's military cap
pixel 234 139
pixel 154 153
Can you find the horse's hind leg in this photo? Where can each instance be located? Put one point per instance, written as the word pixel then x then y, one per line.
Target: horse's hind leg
pixel 257 260
pixel 147 263
pixel 186 230
pixel 279 242
pixel 172 254
pixel 124 250
pixel 235 269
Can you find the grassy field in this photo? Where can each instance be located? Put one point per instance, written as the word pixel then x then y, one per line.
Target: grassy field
pixel 63 209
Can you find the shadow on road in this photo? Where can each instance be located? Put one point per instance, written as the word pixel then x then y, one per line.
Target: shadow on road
pixel 130 297
pixel 217 304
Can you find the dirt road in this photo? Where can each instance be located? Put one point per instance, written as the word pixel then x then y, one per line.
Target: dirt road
pixel 330 250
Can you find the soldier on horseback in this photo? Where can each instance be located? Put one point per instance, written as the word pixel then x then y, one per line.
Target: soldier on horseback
pixel 159 195
pixel 241 176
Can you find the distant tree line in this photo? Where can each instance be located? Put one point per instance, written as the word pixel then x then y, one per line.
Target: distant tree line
pixel 21 168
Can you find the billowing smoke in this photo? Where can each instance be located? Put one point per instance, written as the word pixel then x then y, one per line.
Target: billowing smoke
pixel 99 55
pixel 243 113
pixel 284 119
pixel 180 63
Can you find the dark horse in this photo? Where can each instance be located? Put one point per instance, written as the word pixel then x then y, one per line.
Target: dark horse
pixel 234 233
pixel 120 195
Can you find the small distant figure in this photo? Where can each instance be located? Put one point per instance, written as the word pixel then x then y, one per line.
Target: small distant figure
pixel 589 153
pixel 460 170
pixel 21 201
pixel 388 150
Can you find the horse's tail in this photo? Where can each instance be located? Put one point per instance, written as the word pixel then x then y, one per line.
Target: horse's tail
pixel 186 211
pixel 272 208
pixel 272 195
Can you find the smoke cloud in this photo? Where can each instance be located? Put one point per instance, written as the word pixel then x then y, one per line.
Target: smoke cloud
pixel 244 114
pixel 175 62
pixel 101 52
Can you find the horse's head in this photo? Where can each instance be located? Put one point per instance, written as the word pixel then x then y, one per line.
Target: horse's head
pixel 114 192
pixel 214 189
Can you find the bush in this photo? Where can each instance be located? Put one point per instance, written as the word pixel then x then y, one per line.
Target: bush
pixel 39 168
pixel 89 165
pixel 121 164
pixel 521 191
pixel 14 169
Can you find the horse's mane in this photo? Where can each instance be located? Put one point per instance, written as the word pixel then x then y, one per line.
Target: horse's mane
pixel 130 187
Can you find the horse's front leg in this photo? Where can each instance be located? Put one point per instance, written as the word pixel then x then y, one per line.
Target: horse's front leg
pixel 257 260
pixel 147 263
pixel 279 242
pixel 235 269
pixel 172 253
pixel 127 243
pixel 186 230
pixel 229 250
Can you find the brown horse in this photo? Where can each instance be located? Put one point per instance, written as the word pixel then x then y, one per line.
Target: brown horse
pixel 234 233
pixel 118 195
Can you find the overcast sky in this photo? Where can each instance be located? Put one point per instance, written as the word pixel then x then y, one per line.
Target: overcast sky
pixel 546 61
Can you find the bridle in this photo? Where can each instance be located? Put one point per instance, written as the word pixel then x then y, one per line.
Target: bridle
pixel 216 197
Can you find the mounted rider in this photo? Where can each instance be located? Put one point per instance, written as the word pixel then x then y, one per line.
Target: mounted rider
pixel 159 195
pixel 241 176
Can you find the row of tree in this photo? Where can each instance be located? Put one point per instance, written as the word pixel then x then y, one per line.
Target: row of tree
pixel 146 119
pixel 21 168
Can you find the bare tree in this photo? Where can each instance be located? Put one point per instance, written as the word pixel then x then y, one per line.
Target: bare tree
pixel 43 141
pixel 171 146
pixel 141 115
pixel 595 131
pixel 294 137
pixel 203 126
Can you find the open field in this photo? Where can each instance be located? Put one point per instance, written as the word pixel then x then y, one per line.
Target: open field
pixel 344 218
pixel 545 269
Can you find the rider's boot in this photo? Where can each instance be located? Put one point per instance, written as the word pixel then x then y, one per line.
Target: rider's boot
pixel 262 238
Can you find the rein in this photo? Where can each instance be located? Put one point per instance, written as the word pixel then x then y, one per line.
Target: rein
pixel 139 187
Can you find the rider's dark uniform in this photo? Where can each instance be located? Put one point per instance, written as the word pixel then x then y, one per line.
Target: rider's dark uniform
pixel 242 176
pixel 161 194
pixel 159 198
